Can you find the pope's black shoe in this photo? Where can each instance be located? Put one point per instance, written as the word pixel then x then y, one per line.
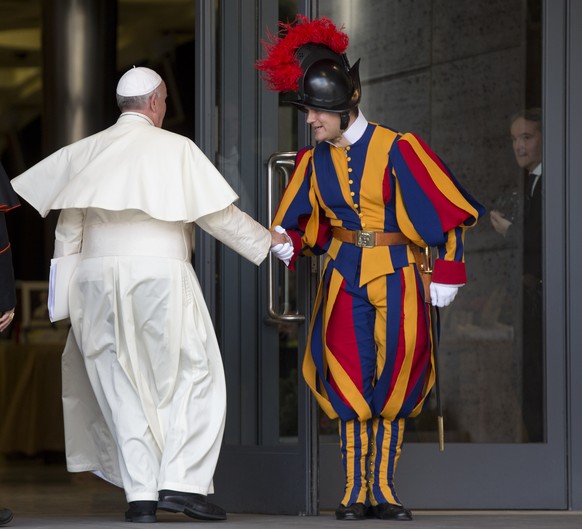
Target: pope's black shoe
pixel 5 516
pixel 390 511
pixel 193 505
pixel 141 512
pixel 355 511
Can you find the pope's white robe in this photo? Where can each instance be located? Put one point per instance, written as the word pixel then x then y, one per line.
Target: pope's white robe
pixel 143 383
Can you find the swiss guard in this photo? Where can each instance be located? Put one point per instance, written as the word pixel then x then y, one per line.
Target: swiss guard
pixel 371 199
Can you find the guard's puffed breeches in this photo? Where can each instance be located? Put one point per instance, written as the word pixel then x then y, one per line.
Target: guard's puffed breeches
pixel 370 453
pixel 369 352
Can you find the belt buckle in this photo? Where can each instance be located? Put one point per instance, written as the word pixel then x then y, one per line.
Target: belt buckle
pixel 365 239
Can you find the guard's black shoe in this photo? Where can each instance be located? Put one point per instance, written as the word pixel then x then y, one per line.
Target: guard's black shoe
pixel 141 512
pixel 193 505
pixel 390 511
pixel 355 511
pixel 5 516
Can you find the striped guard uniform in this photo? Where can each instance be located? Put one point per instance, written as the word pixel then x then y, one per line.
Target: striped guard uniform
pixel 369 356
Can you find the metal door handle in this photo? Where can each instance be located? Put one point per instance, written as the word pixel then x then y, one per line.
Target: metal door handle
pixel 281 163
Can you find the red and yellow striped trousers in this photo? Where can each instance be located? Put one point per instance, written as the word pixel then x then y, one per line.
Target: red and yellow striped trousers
pixel 369 362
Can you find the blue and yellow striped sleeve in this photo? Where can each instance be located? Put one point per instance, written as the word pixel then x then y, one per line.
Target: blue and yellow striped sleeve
pixel 299 211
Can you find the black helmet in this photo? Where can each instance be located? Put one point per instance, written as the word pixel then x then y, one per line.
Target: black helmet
pixel 328 83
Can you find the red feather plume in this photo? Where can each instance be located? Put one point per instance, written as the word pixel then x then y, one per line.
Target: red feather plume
pixel 280 67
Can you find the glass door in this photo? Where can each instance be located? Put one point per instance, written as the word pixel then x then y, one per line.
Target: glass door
pixel 268 455
pixel 467 78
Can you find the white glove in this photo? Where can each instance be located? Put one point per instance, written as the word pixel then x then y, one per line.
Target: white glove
pixel 283 251
pixel 442 295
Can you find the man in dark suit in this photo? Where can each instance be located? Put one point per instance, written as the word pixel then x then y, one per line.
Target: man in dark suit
pixel 526 136
pixel 8 201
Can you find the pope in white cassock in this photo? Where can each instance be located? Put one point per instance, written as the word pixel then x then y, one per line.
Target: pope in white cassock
pixel 143 383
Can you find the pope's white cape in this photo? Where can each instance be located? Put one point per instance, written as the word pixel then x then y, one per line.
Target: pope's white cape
pixel 137 166
pixel 129 168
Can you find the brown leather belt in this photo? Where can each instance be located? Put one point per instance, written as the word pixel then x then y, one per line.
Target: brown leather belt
pixel 369 239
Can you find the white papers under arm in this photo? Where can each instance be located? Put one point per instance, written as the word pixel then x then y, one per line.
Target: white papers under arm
pixel 61 270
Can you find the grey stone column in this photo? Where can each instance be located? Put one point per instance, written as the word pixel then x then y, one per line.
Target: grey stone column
pixel 79 75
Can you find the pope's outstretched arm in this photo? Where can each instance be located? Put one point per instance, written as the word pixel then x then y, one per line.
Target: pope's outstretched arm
pixel 241 233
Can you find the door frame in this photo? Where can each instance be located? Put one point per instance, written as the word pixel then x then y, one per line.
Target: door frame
pixel 572 154
pixel 462 476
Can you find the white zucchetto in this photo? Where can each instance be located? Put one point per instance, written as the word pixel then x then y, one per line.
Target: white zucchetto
pixel 138 82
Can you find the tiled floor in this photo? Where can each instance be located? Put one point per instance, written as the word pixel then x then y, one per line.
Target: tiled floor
pixel 47 496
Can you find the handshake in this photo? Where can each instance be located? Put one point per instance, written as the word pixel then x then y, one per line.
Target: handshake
pixel 282 246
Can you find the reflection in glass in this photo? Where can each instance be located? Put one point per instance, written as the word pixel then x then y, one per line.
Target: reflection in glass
pixel 526 138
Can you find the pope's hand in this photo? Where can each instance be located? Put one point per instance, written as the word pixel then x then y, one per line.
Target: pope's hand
pixel 442 295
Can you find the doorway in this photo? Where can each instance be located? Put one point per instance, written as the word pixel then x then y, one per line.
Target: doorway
pixel 456 74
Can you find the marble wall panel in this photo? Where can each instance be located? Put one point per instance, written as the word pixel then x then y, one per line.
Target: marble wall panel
pixel 463 29
pixel 390 37
pixel 402 104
